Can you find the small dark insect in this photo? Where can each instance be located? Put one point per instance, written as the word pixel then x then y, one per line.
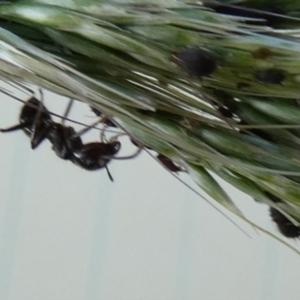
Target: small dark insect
pixel 196 62
pixel 285 226
pixel 225 111
pixel 270 76
pixel 36 122
pixel 167 162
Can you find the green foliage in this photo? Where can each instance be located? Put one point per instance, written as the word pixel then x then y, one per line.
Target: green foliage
pixel 122 58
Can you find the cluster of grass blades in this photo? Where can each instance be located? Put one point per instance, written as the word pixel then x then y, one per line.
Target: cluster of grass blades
pixel 212 85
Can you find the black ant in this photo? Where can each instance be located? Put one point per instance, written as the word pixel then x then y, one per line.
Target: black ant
pixel 36 122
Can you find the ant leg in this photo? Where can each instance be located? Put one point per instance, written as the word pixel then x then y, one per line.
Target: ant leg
pixel 93 125
pixel 86 129
pixel 15 127
pixel 135 154
pixel 109 175
pixel 67 111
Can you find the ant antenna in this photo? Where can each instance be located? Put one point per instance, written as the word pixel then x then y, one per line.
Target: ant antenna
pixel 86 129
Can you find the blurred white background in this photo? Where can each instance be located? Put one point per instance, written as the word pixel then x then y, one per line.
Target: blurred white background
pixel 70 234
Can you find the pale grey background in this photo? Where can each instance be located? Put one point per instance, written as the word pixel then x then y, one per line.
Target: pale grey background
pixel 70 234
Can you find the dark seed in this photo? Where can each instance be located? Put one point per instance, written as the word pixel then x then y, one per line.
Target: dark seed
pixel 285 226
pixel 261 53
pixel 270 76
pixel 225 111
pixel 96 111
pixel 268 19
pixel 167 162
pixel 107 122
pixel 226 104
pixel 241 85
pixel 273 198
pixel 196 62
pixel 260 133
pixel 138 145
